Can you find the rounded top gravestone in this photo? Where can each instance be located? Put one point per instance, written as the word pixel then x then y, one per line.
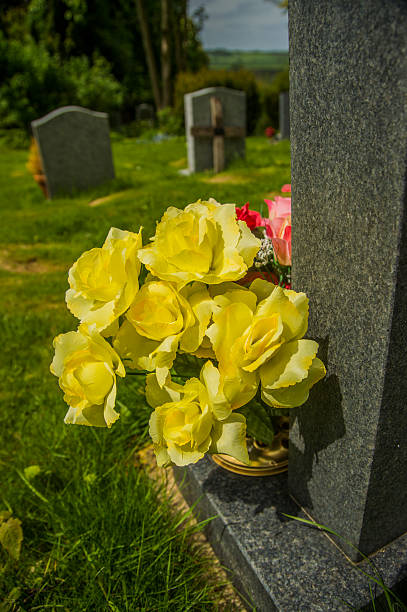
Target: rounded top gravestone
pixel 74 145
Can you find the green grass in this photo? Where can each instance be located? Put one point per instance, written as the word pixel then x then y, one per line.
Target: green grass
pixel 98 535
pixel 222 59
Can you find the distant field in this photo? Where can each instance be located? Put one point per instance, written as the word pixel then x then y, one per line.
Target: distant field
pixel 222 59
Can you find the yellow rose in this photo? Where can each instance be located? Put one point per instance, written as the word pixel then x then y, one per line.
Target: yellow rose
pixel 189 421
pixel 258 332
pixel 228 389
pixel 194 340
pixel 232 315
pixel 247 332
pixel 104 281
pixel 204 243
pixel 86 366
pixel 155 323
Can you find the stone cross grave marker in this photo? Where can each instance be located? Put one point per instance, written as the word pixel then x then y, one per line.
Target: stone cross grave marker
pixel 215 121
pixel 348 443
pixel 74 146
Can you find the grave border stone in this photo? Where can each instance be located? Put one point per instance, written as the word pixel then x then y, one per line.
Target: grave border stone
pixel 279 564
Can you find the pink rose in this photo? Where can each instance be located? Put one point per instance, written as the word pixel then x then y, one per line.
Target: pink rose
pixel 251 217
pixel 286 188
pixel 278 227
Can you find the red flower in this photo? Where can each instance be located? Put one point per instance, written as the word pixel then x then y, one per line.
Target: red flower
pixel 269 132
pixel 251 217
pixel 286 188
pixel 251 275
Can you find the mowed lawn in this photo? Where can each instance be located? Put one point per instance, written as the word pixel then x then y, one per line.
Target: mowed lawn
pixel 98 534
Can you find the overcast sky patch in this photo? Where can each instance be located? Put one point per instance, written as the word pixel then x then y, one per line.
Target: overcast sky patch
pixel 243 24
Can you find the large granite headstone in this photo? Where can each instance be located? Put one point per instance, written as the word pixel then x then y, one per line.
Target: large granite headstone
pixel 284 114
pixel 74 146
pixel 199 121
pixel 348 89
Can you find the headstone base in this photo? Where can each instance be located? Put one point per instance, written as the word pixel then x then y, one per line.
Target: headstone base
pixel 278 563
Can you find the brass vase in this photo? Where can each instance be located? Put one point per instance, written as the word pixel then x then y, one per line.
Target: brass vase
pixel 264 460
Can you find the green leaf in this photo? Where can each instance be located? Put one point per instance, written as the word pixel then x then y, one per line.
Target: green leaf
pixel 11 536
pixel 186 366
pixel 259 422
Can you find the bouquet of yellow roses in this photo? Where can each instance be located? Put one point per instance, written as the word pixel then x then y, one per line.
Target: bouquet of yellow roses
pixel 247 342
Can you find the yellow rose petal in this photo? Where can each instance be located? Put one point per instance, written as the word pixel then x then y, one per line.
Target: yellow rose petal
pixel 296 395
pixel 229 437
pixel 290 364
pixel 294 320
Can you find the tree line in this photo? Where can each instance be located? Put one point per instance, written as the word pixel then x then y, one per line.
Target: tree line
pixel 131 49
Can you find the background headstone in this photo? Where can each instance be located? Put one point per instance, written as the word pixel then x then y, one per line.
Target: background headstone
pixel 198 115
pixel 348 90
pixel 145 112
pixel 284 114
pixel 74 146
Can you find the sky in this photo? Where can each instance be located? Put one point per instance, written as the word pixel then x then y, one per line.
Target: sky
pixel 243 24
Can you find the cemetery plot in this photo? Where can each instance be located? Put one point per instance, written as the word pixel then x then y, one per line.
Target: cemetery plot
pixel 348 450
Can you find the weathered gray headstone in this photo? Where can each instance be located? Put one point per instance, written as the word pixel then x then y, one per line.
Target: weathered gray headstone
pixel 201 129
pixel 145 112
pixel 74 146
pixel 348 88
pixel 284 114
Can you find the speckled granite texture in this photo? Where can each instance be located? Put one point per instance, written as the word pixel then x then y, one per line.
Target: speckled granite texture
pixel 284 114
pixel 348 96
pixel 275 562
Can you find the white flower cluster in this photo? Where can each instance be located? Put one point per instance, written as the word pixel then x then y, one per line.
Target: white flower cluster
pixel 265 252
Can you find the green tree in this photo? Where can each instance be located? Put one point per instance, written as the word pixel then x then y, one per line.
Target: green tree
pixel 111 30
